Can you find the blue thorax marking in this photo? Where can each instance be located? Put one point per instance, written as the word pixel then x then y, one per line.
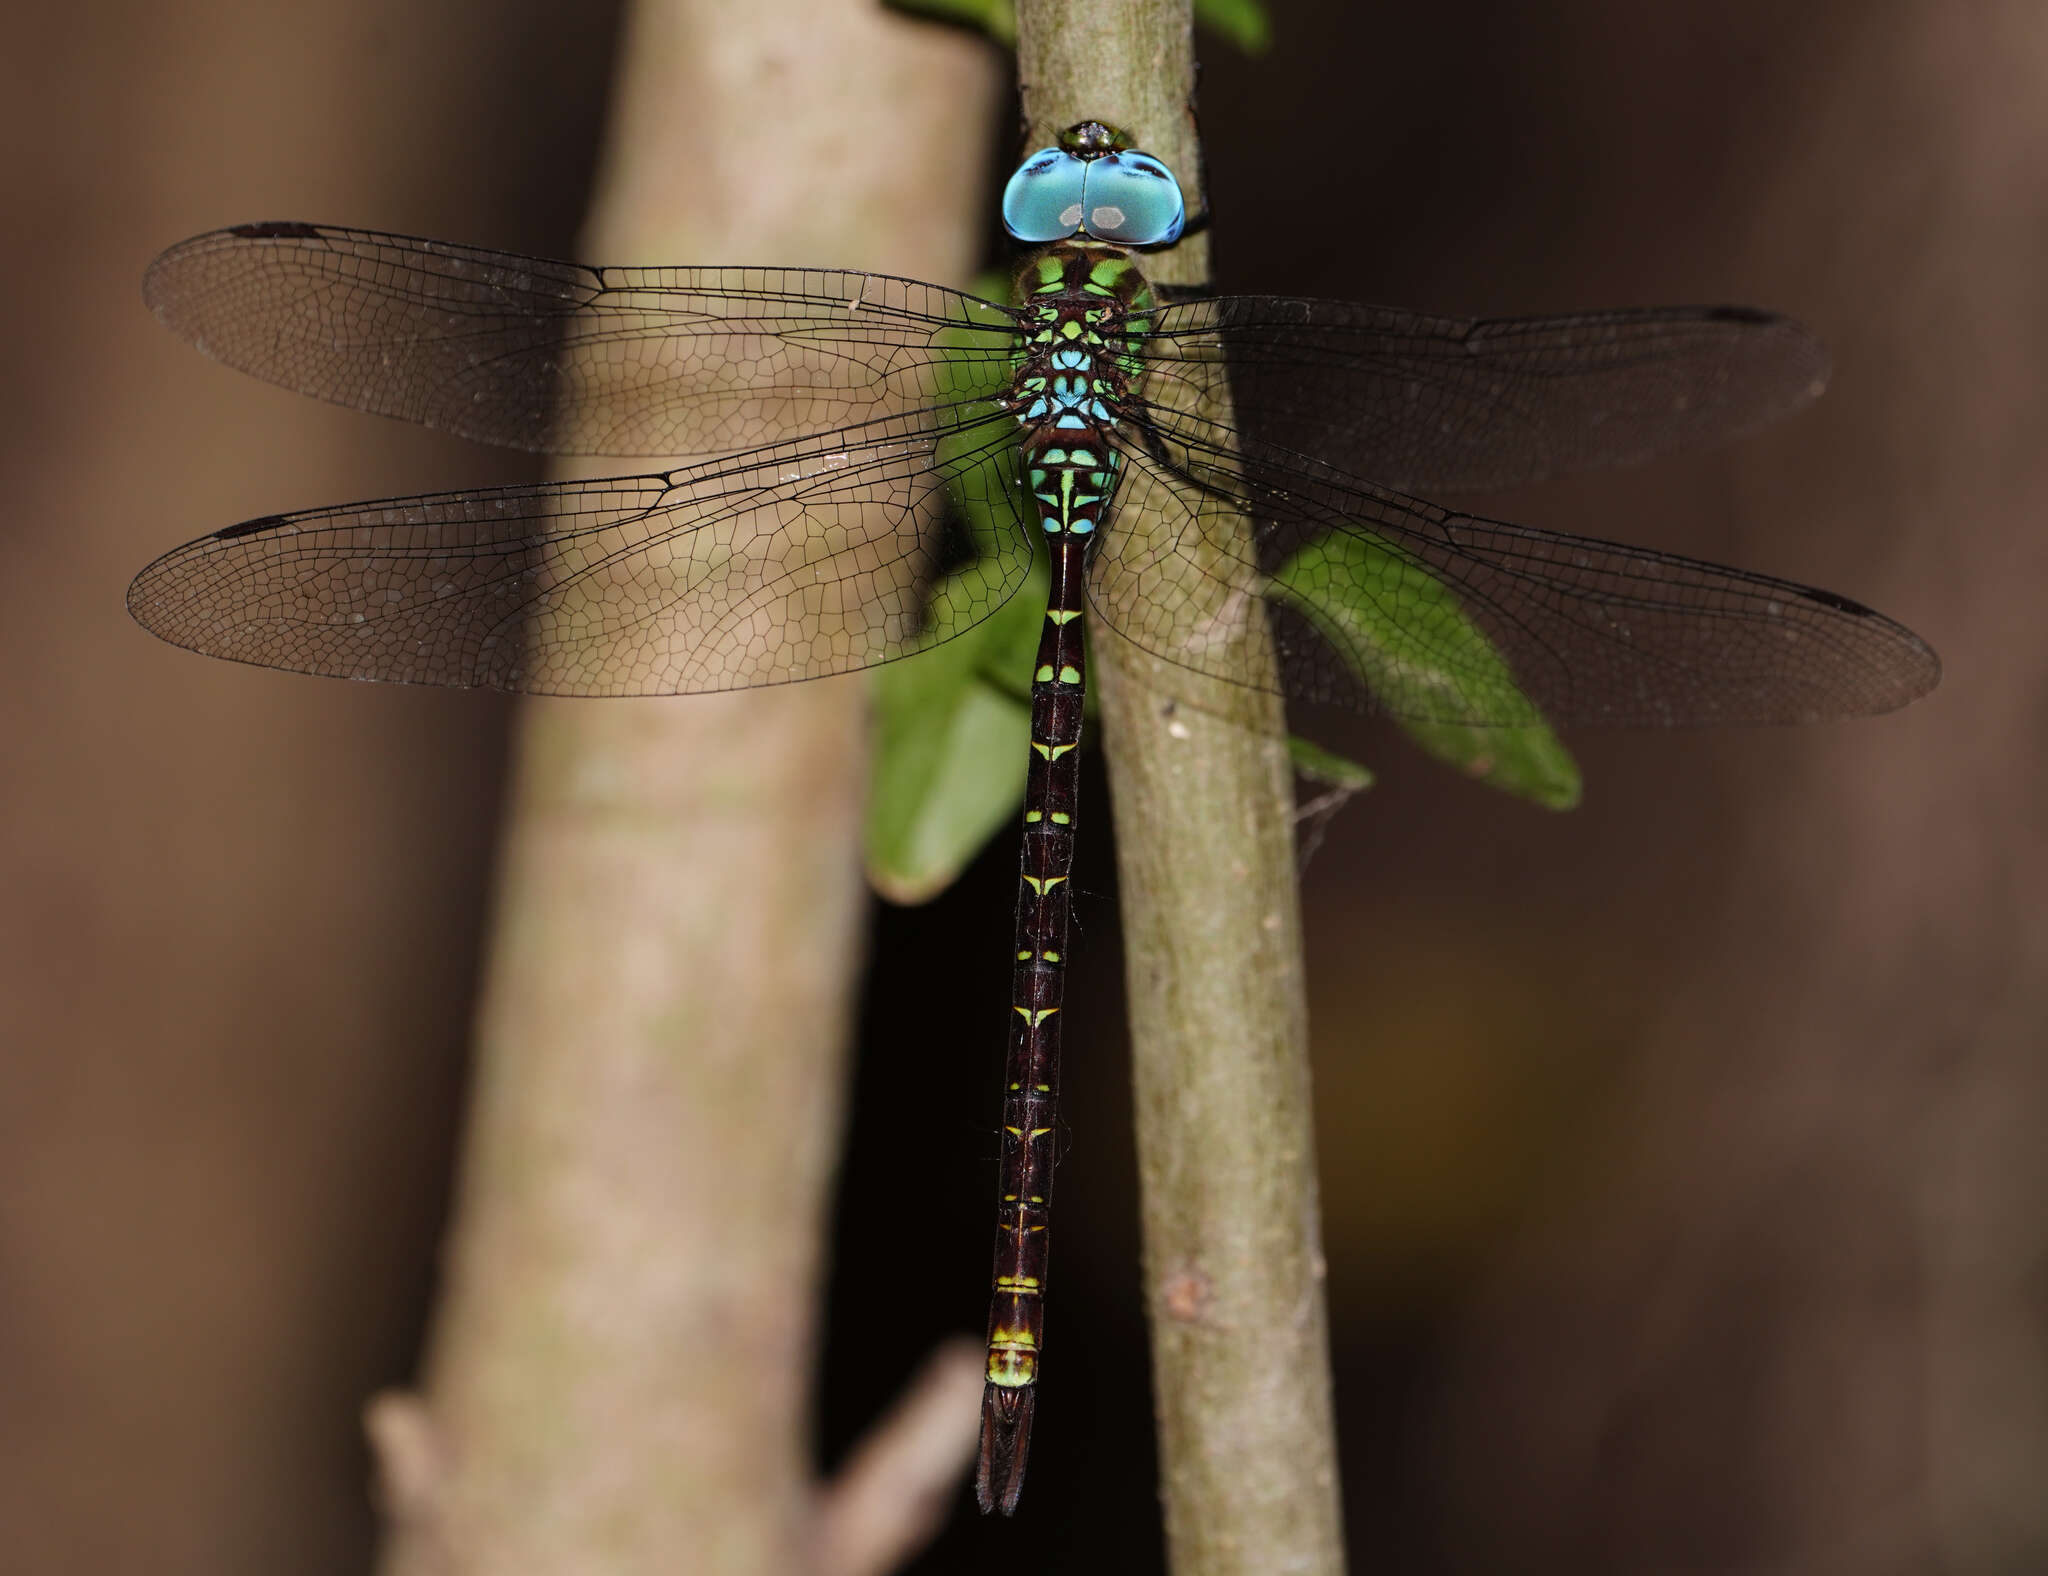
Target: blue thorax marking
pixel 1078 352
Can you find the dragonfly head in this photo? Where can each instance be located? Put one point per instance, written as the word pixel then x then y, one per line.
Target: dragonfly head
pixel 1092 139
pixel 1094 183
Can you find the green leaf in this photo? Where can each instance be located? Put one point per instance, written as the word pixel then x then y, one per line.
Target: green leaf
pixel 994 17
pixel 1525 759
pixel 953 724
pixel 997 18
pixel 1319 765
pixel 953 727
pixel 950 749
pixel 1242 22
pixel 1345 584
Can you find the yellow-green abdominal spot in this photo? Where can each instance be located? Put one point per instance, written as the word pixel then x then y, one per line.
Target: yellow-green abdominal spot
pixel 1010 1366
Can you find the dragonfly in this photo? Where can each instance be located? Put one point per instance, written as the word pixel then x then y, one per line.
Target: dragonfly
pixel 873 465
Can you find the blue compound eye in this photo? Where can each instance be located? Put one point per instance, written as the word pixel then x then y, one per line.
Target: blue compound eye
pixel 1043 200
pixel 1130 198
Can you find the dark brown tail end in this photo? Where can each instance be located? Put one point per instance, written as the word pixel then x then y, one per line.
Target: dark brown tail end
pixel 1005 1442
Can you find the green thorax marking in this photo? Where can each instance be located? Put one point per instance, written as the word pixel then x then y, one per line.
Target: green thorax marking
pixel 1090 294
pixel 1086 310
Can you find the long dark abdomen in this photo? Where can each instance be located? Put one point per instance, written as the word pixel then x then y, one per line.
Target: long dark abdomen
pixel 1016 1321
pixel 1069 389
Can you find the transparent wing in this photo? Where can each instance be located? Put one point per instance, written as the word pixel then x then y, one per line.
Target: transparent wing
pixel 1463 404
pixel 557 357
pixel 786 563
pixel 1384 603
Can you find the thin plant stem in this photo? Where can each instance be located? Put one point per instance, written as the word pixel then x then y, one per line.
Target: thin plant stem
pixel 1211 913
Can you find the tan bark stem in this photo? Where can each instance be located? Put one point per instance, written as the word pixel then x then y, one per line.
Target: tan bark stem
pixel 621 1367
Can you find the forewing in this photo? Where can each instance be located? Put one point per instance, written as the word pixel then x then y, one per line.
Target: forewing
pixel 787 563
pixel 1382 602
pixel 1462 404
pixel 561 358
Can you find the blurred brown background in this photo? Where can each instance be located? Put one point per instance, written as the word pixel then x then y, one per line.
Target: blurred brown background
pixel 1682 1155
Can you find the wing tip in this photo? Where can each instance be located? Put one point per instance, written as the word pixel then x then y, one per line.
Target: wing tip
pixel 275 230
pixel 160 292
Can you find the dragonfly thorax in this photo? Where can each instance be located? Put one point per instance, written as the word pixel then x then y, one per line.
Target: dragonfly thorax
pixel 1085 311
